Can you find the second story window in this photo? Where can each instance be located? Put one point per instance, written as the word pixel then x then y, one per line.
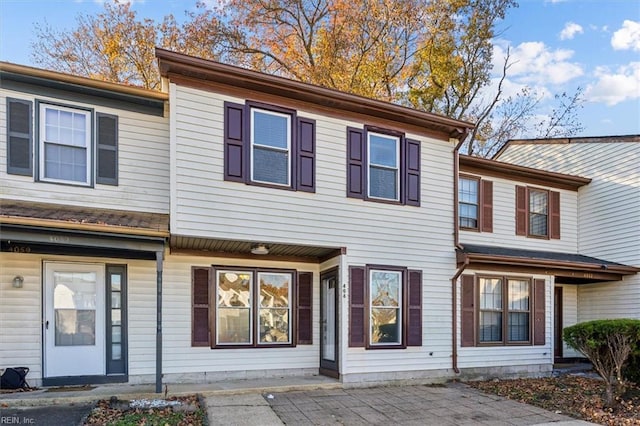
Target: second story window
pixel 270 147
pixel 468 198
pixel 538 212
pixel 383 167
pixel 70 145
pixel 65 145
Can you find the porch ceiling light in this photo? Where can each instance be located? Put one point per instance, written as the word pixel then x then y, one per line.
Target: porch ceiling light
pixel 18 281
pixel 259 249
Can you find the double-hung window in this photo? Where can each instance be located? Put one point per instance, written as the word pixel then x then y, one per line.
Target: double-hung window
pixel 270 147
pixel 251 307
pixel 468 199
pixel 385 307
pixel 505 314
pixel 61 144
pixel 384 166
pixel 65 145
pixel 538 212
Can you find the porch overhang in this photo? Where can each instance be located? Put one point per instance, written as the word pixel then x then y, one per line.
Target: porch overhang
pixel 278 251
pixel 568 268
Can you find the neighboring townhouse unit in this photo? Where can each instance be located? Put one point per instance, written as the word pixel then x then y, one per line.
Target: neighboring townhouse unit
pixel 608 215
pixel 243 225
pixel 84 204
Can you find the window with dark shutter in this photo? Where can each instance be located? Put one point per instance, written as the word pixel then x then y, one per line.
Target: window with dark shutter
pixel 486 214
pixel 521 210
pixel 234 140
pixel 467 319
pixel 357 309
pixel 305 299
pixel 539 324
pixel 19 137
pixel 412 172
pixel 356 173
pixel 554 214
pixel 200 300
pixel 414 309
pixel 306 157
pixel 107 152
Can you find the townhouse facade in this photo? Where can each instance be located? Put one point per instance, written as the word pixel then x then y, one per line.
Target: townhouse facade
pixel 242 225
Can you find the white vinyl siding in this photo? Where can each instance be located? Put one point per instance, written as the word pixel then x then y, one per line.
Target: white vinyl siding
pixel 326 218
pixel 21 313
pixel 608 207
pixel 143 165
pixel 504 221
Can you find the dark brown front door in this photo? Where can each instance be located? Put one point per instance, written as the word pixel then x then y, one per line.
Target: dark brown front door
pixel 557 322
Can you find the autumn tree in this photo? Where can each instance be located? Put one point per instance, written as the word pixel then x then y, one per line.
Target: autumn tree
pixel 115 45
pixel 434 56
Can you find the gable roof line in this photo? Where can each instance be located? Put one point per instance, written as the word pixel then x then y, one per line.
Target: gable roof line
pixel 173 63
pixel 7 69
pixel 564 141
pixel 527 174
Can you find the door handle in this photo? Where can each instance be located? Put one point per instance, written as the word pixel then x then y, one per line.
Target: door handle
pixel 46 325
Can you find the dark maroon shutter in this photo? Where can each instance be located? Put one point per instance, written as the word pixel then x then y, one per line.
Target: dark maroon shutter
pixel 107 152
pixel 356 164
pixel 19 137
pixel 554 214
pixel 467 327
pixel 414 309
pixel 357 308
pixel 521 210
pixel 487 206
pixel 306 170
pixel 305 318
pixel 412 172
pixel 200 307
pixel 539 326
pixel 234 149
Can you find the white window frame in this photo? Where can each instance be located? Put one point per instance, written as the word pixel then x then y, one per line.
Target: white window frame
pixel 476 204
pixel 251 306
pixel 288 308
pixel 370 163
pixel 401 307
pixel 43 106
pixel 287 151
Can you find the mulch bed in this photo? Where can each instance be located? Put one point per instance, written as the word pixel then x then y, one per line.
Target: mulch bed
pixel 182 411
pixel 575 396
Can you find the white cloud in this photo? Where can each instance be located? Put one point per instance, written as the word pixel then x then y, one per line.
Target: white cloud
pixel 627 37
pixel 535 64
pixel 570 30
pixel 613 87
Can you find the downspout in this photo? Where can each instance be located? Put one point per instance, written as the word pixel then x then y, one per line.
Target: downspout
pixel 159 258
pixel 456 244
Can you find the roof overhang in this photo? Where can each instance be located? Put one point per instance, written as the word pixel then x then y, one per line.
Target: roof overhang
pixel 281 252
pixel 567 268
pixel 142 100
pixel 509 171
pixel 176 65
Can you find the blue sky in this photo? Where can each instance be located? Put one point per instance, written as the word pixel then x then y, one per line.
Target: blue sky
pixel 555 46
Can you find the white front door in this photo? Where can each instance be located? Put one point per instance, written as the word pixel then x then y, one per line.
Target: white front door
pixel 74 319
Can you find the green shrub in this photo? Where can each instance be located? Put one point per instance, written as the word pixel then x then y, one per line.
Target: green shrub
pixel 631 370
pixel 607 344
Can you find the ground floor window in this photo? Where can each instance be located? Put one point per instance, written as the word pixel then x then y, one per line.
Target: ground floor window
pixel 250 307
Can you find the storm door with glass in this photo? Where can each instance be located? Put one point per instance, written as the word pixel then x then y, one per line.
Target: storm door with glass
pixel 328 321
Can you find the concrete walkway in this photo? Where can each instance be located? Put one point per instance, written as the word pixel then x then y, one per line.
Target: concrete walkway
pixel 313 400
